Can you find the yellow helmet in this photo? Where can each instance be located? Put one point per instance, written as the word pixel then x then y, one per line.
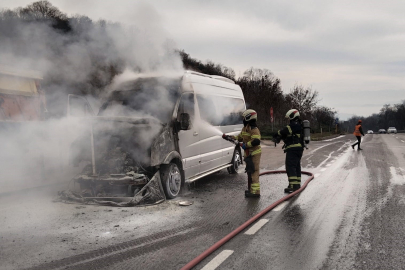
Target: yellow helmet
pixel 249 115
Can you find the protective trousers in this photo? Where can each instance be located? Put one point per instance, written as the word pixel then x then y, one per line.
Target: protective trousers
pixel 357 143
pixel 255 182
pixel 293 168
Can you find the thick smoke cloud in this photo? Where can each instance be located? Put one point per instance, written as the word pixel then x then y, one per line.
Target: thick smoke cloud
pixel 75 55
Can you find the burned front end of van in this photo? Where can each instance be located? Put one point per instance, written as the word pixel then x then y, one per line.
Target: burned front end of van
pixel 124 148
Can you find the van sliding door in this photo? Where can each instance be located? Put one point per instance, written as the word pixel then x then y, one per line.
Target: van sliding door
pixel 210 133
pixel 231 123
pixel 188 139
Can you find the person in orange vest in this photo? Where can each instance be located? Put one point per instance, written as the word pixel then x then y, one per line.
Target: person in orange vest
pixel 358 131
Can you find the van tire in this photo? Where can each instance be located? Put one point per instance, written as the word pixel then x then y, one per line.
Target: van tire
pixel 172 180
pixel 236 161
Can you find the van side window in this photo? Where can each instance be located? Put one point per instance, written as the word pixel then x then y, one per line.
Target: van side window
pixel 186 106
pixel 232 109
pixel 220 111
pixel 208 110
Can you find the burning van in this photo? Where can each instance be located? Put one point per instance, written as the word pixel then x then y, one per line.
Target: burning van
pixel 153 134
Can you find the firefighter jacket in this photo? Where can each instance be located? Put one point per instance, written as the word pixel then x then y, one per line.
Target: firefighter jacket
pixel 250 136
pixel 358 131
pixel 292 135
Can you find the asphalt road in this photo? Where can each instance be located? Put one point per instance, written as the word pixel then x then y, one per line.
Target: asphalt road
pixel 349 217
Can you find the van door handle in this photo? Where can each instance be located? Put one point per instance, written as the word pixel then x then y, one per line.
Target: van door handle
pixel 195 133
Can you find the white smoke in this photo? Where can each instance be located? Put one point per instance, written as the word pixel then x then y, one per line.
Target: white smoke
pixel 84 60
pixel 37 153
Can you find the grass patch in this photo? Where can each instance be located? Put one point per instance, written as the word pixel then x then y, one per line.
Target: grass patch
pixel 323 136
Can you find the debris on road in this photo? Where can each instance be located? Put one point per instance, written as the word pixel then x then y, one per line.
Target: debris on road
pixel 185 203
pixel 152 193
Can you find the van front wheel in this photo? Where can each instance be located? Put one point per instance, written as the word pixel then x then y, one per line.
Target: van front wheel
pixel 171 180
pixel 236 162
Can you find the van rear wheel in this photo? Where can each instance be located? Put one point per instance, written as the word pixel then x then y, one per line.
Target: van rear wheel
pixel 171 180
pixel 236 162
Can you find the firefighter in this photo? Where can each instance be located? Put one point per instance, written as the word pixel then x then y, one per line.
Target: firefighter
pixel 358 131
pixel 250 142
pixel 292 135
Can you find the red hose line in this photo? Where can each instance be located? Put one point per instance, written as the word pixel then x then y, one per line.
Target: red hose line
pixel 218 244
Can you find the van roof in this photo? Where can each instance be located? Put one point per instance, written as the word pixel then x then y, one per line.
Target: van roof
pixel 195 81
pixel 221 78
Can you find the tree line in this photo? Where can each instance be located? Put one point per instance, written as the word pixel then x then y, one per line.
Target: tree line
pixel 262 91
pixel 42 32
pixel 389 116
pixel 40 36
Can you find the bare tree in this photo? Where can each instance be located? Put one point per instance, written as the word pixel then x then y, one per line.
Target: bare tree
pixel 389 116
pixel 209 67
pixel 262 90
pixel 323 116
pixel 41 10
pixel 303 99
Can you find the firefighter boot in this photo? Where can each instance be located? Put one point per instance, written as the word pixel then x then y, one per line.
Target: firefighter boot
pixel 248 194
pixel 289 189
pixel 296 187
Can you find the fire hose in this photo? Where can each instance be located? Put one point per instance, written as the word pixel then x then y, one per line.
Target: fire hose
pixel 221 242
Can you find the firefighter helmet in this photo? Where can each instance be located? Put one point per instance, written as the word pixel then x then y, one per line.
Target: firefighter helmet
pixel 249 115
pixel 292 114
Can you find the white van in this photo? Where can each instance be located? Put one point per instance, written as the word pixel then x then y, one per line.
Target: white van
pixel 170 127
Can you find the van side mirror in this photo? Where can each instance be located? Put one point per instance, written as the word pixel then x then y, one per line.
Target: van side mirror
pixel 184 121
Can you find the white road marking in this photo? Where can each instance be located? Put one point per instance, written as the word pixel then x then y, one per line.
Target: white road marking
pixel 327 165
pixel 220 258
pixel 280 207
pixel 317 174
pixel 324 169
pixel 256 227
pixel 402 141
pixel 333 138
pixel 326 160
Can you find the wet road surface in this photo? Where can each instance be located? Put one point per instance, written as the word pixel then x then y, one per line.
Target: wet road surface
pixel 349 216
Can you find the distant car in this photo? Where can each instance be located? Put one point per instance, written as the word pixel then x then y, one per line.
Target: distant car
pixel 382 131
pixel 370 131
pixel 392 130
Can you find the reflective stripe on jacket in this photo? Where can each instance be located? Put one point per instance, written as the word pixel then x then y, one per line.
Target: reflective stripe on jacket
pixel 247 135
pixel 295 142
pixel 357 130
pixel 292 140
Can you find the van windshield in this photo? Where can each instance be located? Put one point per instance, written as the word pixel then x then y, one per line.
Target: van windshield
pixel 152 97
